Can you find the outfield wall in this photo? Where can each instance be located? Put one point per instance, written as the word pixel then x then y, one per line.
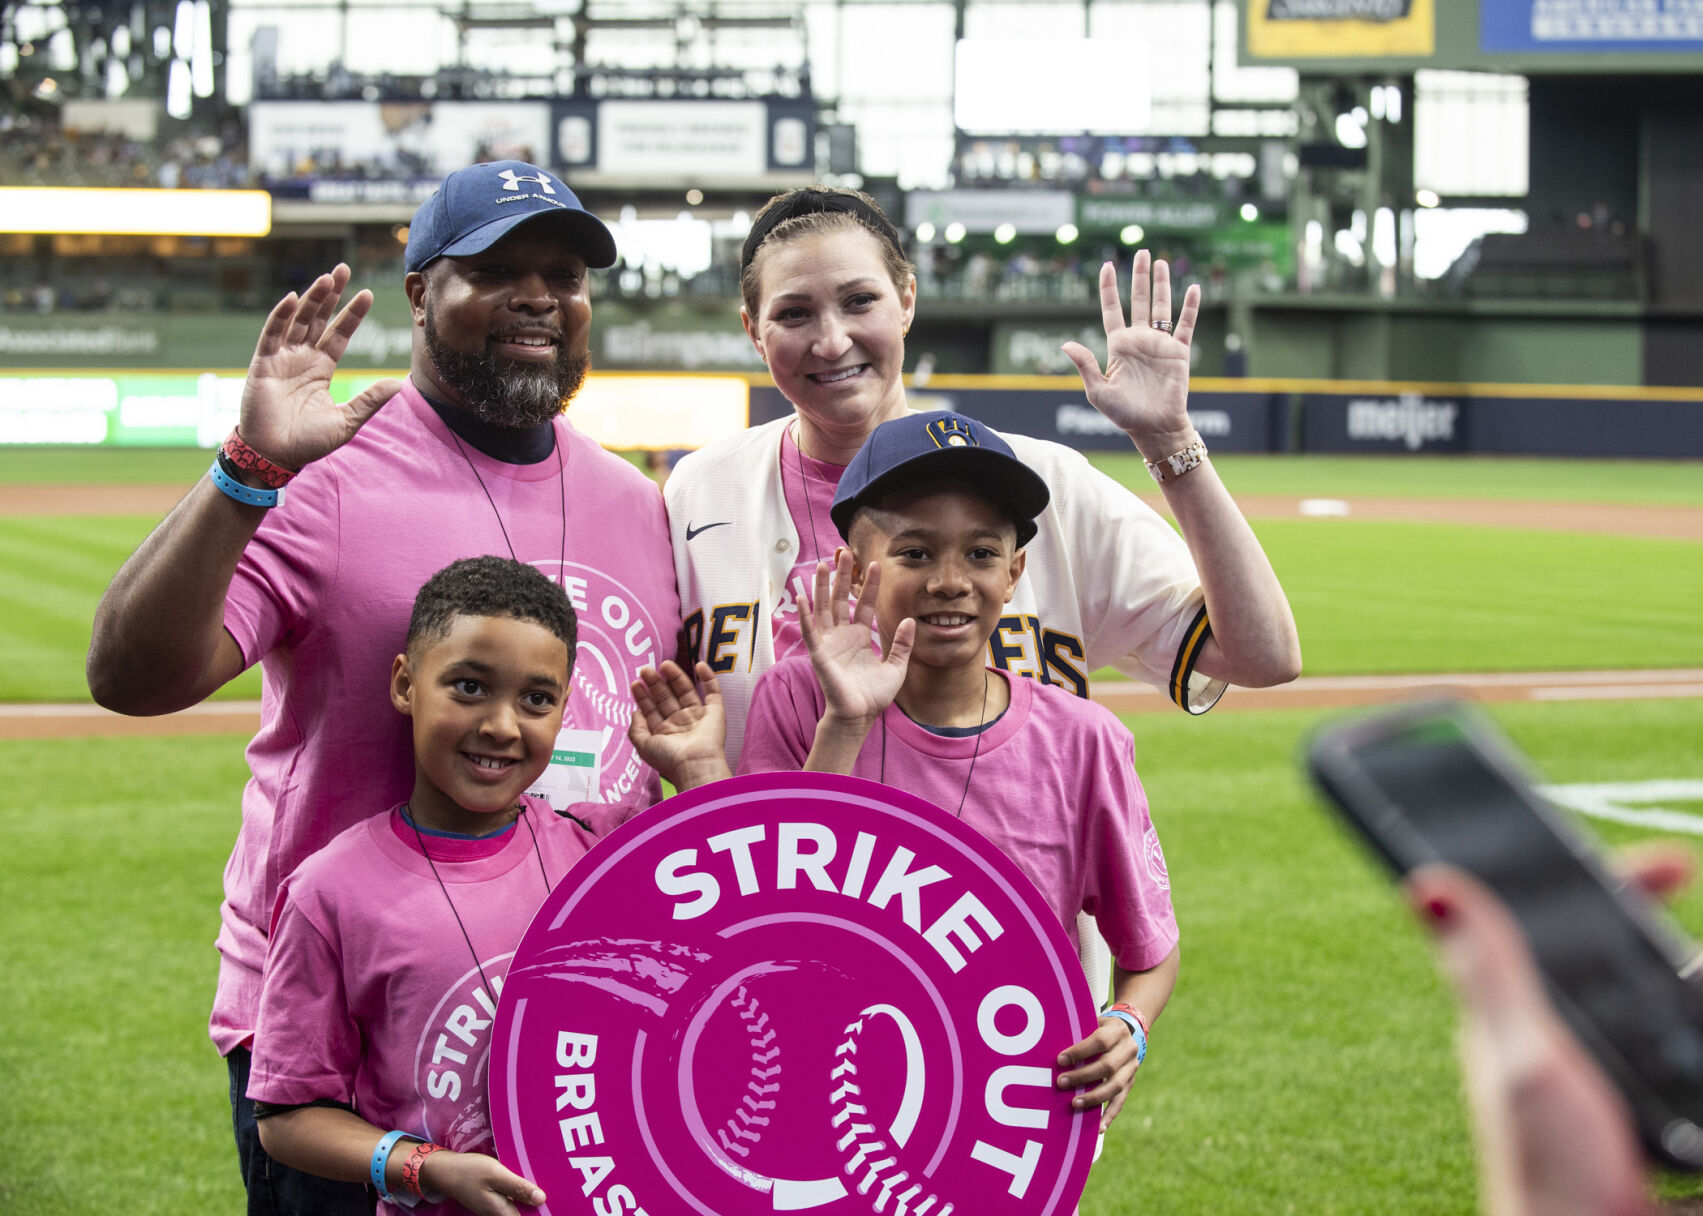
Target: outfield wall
pixel 1341 416
pixel 162 407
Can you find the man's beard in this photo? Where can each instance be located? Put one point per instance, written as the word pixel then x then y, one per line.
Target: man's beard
pixel 507 392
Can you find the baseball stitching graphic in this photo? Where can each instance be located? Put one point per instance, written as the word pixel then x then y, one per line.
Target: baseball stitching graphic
pixel 744 1126
pixel 857 1144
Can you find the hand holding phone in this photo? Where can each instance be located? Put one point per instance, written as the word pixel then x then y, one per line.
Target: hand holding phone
pixel 1435 781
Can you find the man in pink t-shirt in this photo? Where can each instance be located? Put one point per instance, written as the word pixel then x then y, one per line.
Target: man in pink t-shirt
pixel 470 455
pixel 935 509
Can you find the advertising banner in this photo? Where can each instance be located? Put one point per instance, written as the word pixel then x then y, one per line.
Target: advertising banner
pixel 1340 29
pixel 1374 422
pixel 1176 215
pixel 399 141
pixel 688 141
pixel 1590 25
pixel 793 992
pixel 1228 421
pixel 985 210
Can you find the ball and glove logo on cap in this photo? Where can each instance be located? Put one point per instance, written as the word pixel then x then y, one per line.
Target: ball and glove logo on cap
pixel 794 992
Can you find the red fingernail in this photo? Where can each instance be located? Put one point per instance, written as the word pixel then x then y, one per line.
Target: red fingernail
pixel 1438 910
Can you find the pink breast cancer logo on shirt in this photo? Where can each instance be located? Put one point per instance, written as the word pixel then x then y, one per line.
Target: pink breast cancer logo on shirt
pixel 793 993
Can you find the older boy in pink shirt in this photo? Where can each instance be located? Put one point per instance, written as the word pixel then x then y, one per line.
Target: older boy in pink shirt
pixel 935 509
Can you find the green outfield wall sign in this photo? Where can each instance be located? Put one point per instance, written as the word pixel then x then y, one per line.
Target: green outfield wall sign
pixel 667 335
pixel 130 408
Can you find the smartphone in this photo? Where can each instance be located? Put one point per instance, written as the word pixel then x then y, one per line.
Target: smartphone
pixel 1436 780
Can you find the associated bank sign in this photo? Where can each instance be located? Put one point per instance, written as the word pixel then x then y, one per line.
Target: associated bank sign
pixel 793 992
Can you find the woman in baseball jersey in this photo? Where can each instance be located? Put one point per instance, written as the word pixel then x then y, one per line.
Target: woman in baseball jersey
pixel 828 299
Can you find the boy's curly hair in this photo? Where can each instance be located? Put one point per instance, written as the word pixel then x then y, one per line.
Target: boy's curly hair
pixel 491 586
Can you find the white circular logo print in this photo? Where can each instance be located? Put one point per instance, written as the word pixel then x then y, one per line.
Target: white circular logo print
pixel 793 992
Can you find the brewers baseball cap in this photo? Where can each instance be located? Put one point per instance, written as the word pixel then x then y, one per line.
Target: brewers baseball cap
pixel 478 206
pixel 918 450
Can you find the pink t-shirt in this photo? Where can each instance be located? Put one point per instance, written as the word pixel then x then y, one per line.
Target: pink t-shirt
pixel 809 486
pixel 321 600
pixel 371 994
pixel 1053 786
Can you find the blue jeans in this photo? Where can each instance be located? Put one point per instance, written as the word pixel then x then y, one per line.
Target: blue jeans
pixel 275 1189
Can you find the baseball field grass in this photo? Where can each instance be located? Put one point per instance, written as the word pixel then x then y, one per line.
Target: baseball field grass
pixel 1371 595
pixel 1305 1063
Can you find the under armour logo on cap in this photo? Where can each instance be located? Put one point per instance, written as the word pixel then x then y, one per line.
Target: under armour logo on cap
pixel 952 432
pixel 479 205
pixel 512 180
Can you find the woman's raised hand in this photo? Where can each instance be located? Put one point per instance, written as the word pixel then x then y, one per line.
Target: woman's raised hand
pixel 1144 388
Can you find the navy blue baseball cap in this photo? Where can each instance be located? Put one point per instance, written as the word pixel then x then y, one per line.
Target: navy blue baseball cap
pixel 918 450
pixel 478 206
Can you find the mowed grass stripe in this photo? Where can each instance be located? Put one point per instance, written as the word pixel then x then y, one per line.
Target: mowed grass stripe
pixel 1370 597
pixel 1511 478
pixel 111 892
pixel 56 570
pixel 1394 597
pixel 1651 482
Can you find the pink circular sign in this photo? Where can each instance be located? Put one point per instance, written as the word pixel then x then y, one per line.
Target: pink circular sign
pixel 793 993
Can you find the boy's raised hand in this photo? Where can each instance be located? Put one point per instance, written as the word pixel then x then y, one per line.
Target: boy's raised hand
pixel 675 731
pixel 857 682
pixel 481 1184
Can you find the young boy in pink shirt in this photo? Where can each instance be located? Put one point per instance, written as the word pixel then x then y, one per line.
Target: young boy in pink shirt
pixel 935 509
pixel 389 946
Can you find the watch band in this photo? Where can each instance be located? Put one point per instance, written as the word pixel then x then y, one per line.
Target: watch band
pixel 1171 467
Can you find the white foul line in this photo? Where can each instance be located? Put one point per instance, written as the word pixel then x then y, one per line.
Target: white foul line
pixel 1617 801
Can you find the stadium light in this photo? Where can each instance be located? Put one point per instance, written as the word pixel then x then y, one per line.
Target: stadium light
pixel 125 212
pixel 178 103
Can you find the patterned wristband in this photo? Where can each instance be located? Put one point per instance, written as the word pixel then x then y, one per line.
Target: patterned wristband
pixel 1130 1016
pixel 232 488
pixel 1131 1010
pixel 381 1159
pixel 251 461
pixel 411 1167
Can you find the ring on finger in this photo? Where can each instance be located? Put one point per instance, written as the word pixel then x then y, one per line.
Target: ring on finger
pixel 1161 326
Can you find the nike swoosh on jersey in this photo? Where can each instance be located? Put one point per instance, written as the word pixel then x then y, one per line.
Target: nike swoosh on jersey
pixel 692 532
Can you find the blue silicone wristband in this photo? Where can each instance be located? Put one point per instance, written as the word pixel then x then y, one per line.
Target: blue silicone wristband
pixel 1135 1030
pixel 232 488
pixel 381 1158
